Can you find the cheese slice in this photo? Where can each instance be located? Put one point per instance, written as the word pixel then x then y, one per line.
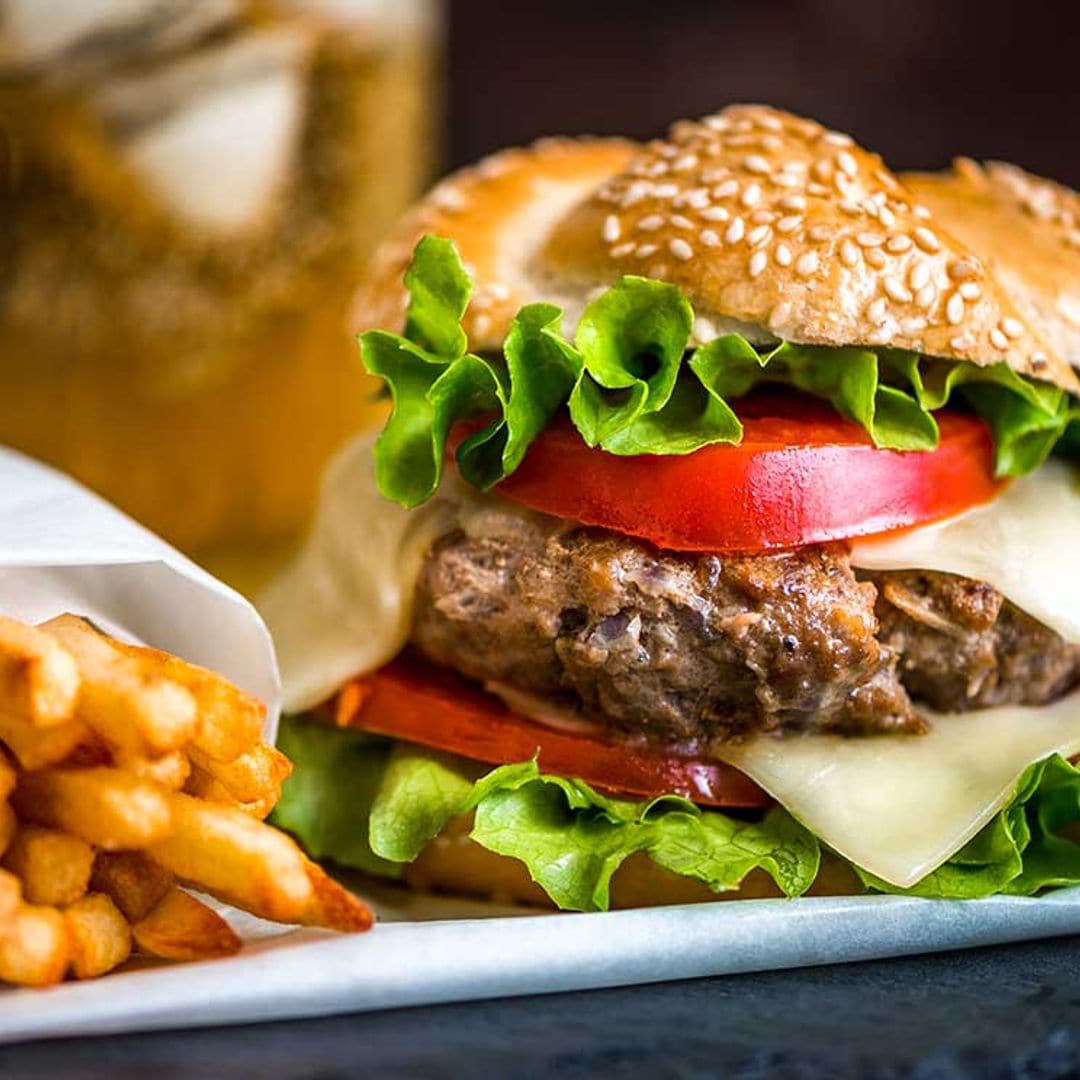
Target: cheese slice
pixel 901 805
pixel 1026 543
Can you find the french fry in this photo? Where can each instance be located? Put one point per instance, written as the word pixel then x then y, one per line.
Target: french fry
pixel 222 851
pixel 106 807
pixel 8 824
pixel 100 936
pixel 10 898
pixel 230 721
pixel 134 882
pixel 170 770
pixel 54 867
pixel 39 747
pixel 181 927
pixel 39 680
pixel 36 949
pixel 204 786
pixel 128 701
pixel 334 907
pixel 253 776
pixel 8 776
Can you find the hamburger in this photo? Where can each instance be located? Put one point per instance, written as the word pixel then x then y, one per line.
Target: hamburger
pixel 720 541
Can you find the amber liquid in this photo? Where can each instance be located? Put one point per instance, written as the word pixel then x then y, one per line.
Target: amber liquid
pixel 202 382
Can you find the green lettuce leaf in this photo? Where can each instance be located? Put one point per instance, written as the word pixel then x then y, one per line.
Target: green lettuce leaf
pixel 630 385
pixel 366 802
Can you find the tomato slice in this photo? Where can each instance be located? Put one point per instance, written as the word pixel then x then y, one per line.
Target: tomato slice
pixel 419 702
pixel 803 474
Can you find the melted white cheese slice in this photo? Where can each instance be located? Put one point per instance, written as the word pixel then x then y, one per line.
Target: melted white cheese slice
pixel 343 606
pixel 901 805
pixel 1026 543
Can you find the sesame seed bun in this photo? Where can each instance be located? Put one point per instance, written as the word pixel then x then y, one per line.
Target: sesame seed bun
pixel 1027 230
pixel 773 226
pixel 452 863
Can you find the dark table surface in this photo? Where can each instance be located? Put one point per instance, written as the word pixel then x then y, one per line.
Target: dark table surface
pixel 1008 1011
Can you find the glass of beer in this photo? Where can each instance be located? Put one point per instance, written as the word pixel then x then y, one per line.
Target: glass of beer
pixel 188 192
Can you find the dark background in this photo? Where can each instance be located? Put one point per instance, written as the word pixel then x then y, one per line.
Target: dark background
pixel 919 82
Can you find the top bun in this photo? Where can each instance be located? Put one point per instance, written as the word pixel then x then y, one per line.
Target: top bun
pixel 771 224
pixel 1028 231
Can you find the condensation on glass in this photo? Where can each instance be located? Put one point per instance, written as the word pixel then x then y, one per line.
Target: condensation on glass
pixel 190 189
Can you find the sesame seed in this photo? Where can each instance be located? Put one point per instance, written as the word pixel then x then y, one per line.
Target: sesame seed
pixel 697 199
pixel 685 163
pixel 921 212
pixel 715 213
pixel 822 169
pixel 763 217
pixel 657 168
pixel 847 164
pixel 879 336
pixel 785 180
pixel 876 310
pixel 726 189
pixel 680 249
pixel 820 190
pixel 789 224
pixel 779 315
pixel 740 141
pixel 970 290
pixel 612 229
pixel 1013 327
pixel 954 309
pixel 1038 360
pixel 818 234
pixel 481 325
pixel 998 339
pixel 849 206
pixel 717 123
pixel 919 276
pixel 769 122
pixel 886 217
pixel 665 191
pixel 926 240
pixel 650 222
pixel 793 167
pixel 958 269
pixel 635 192
pixel 714 175
pixel 926 296
pixel 771 142
pixel 735 231
pixel 757 263
pixel 876 258
pixel 913 325
pixel 751 196
pixel 759 235
pixel 622 250
pixel 962 341
pixel 807 264
pixel 708 238
pixel 836 138
pixel 1073 239
pixel 681 222
pixel 792 202
pixel 783 254
pixel 755 163
pixel 869 239
pixel 849 253
pixel 896 290
pixel 898 244
pixel 646 250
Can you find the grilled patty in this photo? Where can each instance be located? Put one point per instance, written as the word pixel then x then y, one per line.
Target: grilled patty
pixel 686 649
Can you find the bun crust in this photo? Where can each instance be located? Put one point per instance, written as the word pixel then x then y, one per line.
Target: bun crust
pixel 772 225
pixel 498 212
pixel 1028 231
pixel 452 863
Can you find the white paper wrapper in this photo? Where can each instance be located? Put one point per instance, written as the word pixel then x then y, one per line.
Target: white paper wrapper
pixel 64 549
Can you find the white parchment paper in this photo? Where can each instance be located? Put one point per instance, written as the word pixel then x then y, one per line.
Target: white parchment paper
pixel 62 549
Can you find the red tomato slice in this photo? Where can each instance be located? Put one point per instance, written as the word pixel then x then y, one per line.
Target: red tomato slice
pixel 802 475
pixel 416 701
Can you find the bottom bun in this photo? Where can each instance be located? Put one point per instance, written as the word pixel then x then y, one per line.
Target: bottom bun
pixel 453 863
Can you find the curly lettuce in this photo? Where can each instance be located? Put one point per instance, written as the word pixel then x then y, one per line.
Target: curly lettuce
pixel 631 385
pixel 367 802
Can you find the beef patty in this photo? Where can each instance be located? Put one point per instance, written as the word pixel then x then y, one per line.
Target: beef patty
pixel 690 648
